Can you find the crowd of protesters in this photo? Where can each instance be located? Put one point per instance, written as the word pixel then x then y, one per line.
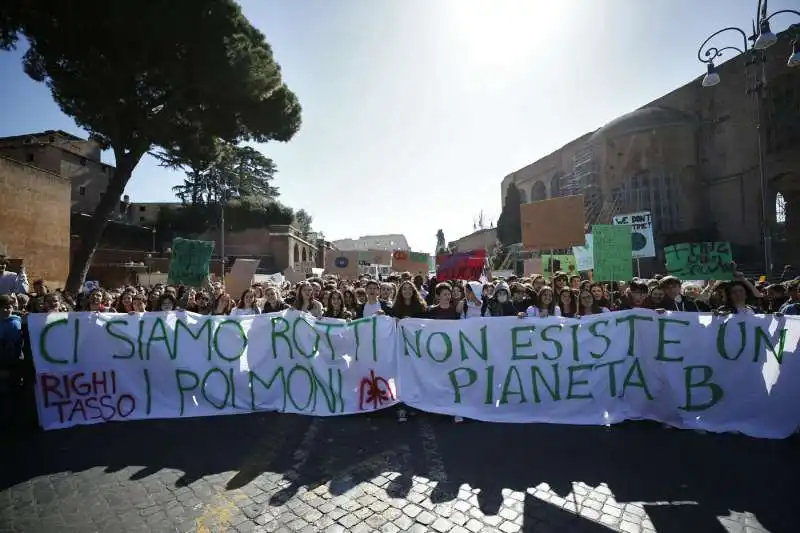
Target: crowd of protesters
pixel 399 296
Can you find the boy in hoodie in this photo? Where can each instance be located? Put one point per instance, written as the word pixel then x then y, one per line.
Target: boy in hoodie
pixel 500 302
pixel 473 303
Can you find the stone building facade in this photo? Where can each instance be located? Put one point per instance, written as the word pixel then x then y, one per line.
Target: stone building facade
pixel 35 220
pixel 691 158
pixel 69 156
pixel 278 247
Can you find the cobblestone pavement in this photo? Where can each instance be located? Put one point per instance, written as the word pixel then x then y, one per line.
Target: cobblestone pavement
pixel 273 472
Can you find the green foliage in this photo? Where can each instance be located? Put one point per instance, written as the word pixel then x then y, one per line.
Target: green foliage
pixel 223 171
pixel 302 221
pixel 247 212
pixel 169 74
pixel 509 225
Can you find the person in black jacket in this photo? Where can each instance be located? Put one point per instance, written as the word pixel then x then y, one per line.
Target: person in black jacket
pixel 673 300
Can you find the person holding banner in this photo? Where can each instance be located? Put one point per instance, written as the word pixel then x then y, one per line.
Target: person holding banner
pixel 373 305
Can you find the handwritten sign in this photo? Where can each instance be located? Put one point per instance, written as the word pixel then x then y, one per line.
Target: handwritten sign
pixel 189 264
pixel 612 252
pixel 700 260
pixel 642 244
pixel 414 262
pixel 461 265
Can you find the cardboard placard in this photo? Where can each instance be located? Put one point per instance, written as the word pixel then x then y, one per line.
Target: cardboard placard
pixel 553 224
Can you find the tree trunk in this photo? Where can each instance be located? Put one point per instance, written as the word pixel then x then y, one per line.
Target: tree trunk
pixel 82 258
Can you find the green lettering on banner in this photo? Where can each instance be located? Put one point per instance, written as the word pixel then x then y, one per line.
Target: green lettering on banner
pixel 559 347
pixel 160 336
pixel 328 327
pixel 641 382
pixel 315 345
pixel 280 334
pixel 180 373
pixel 722 349
pixel 253 378
pixel 415 346
pixel 139 337
pixel 148 391
pixel 447 344
pixel 595 334
pixel 240 333
pixel 515 344
pixel 43 341
pixel 489 385
pixel 355 324
pixel 204 328
pixel 472 377
pixel 109 327
pixel 763 336
pixel 553 389
pixel 572 370
pixel 333 395
pixel 464 341
pixel 716 391
pixel 663 341
pixel 289 387
pixel 631 321
pixel 204 389
pixel 507 391
pixel 576 353
pixel 612 374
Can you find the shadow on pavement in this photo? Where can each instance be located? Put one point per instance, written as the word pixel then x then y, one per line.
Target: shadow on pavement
pixel 711 475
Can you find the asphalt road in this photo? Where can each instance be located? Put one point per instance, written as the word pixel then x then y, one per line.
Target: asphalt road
pixel 277 472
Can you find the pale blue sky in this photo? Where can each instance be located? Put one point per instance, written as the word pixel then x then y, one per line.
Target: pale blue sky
pixel 414 110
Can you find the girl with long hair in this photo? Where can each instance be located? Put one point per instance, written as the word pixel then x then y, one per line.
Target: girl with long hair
pixel 568 303
pixel 247 304
pixel 408 303
pixel 545 305
pixel 272 301
pixel 588 305
pixel 305 301
pixel 336 308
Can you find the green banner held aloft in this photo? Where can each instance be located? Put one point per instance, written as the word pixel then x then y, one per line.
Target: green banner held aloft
pixel 700 260
pixel 190 259
pixel 612 252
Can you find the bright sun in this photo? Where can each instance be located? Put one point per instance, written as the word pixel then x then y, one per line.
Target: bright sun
pixel 501 31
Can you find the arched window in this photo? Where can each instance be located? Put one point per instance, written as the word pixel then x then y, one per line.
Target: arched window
pixel 304 255
pixel 780 209
pixel 296 253
pixel 538 192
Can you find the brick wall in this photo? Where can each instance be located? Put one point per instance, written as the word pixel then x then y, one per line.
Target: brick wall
pixel 35 220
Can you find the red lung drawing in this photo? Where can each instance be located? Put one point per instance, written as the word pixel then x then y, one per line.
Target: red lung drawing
pixel 374 390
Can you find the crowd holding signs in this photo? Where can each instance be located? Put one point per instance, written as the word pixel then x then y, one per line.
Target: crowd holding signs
pixel 689 370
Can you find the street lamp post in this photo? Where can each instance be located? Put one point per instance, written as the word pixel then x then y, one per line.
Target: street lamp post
pixel 754 46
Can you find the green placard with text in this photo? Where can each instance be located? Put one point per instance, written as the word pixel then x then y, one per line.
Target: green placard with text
pixel 612 252
pixel 189 264
pixel 700 260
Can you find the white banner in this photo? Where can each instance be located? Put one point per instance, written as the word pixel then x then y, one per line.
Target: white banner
pixel 100 367
pixel 690 370
pixel 642 243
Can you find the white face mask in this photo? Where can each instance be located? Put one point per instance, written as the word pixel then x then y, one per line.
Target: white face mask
pixel 502 297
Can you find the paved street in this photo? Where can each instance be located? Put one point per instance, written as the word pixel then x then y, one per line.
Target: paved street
pixel 272 472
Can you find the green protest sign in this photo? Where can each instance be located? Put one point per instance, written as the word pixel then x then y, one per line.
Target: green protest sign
pixel 612 252
pixel 562 263
pixel 700 260
pixel 189 264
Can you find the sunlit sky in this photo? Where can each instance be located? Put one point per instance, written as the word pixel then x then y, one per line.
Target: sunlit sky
pixel 414 110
